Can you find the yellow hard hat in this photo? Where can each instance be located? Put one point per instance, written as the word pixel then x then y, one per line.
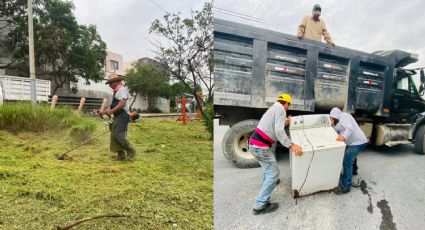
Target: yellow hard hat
pixel 284 97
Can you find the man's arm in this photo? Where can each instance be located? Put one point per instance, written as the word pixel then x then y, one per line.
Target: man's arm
pixel 301 28
pixel 279 126
pixel 119 106
pixel 280 120
pixel 326 35
pixel 348 127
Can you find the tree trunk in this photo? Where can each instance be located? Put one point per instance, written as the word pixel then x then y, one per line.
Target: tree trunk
pixel 134 100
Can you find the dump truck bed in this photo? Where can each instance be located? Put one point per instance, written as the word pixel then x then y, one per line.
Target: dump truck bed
pixel 252 66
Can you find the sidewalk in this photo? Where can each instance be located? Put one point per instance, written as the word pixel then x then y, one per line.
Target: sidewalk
pixel 165 115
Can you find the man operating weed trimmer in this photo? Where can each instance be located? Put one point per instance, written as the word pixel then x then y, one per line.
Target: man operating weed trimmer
pixel 119 125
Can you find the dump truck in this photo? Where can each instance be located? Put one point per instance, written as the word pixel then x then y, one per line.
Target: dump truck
pixel 252 66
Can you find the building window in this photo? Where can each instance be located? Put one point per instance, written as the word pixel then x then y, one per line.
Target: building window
pixel 114 65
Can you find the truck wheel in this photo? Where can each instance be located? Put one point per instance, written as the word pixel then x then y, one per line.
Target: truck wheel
pixel 419 145
pixel 235 144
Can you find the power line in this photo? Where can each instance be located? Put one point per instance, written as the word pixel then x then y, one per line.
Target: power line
pixel 248 17
pixel 234 12
pixel 256 19
pixel 159 6
pixel 261 3
pixel 243 17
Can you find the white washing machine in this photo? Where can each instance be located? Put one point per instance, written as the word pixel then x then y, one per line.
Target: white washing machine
pixel 320 165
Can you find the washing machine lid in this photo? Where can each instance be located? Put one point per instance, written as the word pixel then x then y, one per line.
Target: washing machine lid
pixel 298 137
pixel 313 131
pixel 322 137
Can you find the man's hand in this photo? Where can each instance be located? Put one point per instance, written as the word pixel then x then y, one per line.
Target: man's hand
pixel 333 44
pixel 296 149
pixel 288 120
pixel 340 138
pixel 107 112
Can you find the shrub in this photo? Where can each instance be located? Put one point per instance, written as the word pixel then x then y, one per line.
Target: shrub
pixel 208 118
pixel 82 130
pixel 24 116
pixel 153 109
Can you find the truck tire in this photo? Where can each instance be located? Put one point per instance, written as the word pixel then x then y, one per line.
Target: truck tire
pixel 419 145
pixel 235 144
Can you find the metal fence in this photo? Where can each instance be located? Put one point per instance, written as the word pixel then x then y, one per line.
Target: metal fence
pixel 19 88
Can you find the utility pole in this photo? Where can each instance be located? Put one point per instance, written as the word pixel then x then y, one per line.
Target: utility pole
pixel 31 53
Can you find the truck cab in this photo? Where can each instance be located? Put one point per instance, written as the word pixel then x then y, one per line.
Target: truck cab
pixel 407 100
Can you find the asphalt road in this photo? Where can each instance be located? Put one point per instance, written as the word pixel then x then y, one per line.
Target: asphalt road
pixel 392 195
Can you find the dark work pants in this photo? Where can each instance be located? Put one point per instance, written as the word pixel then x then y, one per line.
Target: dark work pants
pixel 119 143
pixel 351 153
pixel 355 167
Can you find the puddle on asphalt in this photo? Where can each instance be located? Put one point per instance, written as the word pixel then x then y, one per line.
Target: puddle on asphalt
pixel 387 222
pixel 364 188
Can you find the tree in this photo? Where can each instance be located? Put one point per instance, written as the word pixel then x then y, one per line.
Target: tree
pixel 179 88
pixel 64 49
pixel 12 13
pixel 148 79
pixel 187 54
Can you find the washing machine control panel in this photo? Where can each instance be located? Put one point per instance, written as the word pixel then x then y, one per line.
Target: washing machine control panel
pixel 310 121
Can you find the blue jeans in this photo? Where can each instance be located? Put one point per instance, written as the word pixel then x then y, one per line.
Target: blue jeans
pixel 268 163
pixel 350 155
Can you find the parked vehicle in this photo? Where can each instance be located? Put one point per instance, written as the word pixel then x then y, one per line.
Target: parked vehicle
pixel 252 66
pixel 19 89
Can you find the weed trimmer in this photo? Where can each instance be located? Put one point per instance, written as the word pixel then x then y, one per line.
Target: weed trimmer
pixel 106 120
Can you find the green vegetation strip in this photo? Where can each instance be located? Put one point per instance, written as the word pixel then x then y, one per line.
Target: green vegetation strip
pixel 16 117
pixel 169 185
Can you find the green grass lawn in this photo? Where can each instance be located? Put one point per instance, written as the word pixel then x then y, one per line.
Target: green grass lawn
pixel 168 186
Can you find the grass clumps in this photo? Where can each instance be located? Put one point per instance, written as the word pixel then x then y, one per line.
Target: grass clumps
pixel 169 185
pixel 24 116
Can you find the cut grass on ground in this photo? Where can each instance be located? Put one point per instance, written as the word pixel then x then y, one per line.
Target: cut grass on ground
pixel 169 185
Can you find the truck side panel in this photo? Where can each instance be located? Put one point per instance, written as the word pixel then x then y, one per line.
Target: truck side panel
pixel 253 66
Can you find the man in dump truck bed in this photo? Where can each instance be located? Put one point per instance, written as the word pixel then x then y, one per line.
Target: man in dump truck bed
pixel 312 27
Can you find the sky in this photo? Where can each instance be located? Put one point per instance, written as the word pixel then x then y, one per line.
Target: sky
pixel 124 24
pixel 366 25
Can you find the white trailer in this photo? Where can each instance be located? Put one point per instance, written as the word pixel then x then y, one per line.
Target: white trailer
pixel 14 88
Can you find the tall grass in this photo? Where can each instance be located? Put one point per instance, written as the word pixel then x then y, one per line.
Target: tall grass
pixel 24 116
pixel 208 119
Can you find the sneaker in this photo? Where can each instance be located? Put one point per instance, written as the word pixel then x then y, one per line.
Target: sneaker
pixel 270 207
pixel 340 190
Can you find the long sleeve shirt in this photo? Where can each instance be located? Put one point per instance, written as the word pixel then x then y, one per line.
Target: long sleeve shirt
pixel 350 130
pixel 272 125
pixel 314 30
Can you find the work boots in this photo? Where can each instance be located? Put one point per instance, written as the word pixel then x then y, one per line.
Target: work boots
pixel 270 207
pixel 121 155
pixel 131 154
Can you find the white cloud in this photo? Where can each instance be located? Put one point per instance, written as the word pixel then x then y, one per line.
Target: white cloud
pixel 124 24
